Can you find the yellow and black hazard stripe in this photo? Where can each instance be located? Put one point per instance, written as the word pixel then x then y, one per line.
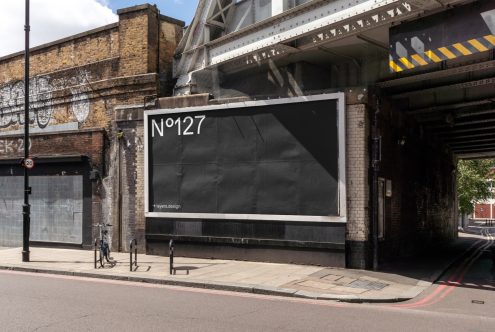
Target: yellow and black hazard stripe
pixel 456 50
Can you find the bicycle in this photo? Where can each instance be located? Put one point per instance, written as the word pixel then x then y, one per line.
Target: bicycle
pixel 103 244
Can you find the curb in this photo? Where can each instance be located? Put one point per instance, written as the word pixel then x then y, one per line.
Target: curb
pixel 231 287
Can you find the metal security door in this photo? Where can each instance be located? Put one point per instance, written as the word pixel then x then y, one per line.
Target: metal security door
pixel 56 209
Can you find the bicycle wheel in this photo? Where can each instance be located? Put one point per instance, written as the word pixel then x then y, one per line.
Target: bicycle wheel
pixel 106 255
pixel 101 258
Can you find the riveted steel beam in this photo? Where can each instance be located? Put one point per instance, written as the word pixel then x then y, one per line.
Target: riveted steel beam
pixel 470 131
pixel 453 107
pixel 219 15
pixel 304 27
pixel 315 25
pixel 457 86
pixel 476 155
pixel 461 124
pixel 442 73
pixel 472 145
pixel 480 149
pixel 484 135
pixel 460 140
pixel 373 41
pixel 455 115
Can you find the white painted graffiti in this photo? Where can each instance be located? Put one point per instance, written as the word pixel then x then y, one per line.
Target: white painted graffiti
pixel 80 106
pixel 13 145
pixel 41 92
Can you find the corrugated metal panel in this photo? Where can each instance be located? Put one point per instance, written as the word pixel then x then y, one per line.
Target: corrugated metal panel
pixel 56 209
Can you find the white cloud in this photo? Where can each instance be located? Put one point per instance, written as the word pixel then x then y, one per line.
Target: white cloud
pixel 50 20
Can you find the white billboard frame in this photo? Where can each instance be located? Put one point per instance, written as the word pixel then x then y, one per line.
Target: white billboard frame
pixel 342 196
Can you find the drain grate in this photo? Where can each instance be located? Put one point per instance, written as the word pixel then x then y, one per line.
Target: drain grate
pixel 366 284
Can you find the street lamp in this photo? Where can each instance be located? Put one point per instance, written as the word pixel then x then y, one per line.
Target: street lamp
pixel 26 207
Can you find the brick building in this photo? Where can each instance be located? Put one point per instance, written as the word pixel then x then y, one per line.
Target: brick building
pixel 75 87
pixel 486 210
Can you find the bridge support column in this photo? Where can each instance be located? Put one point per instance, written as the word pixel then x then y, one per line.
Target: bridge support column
pixel 358 224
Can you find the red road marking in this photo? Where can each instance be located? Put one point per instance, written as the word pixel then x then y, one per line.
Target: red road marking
pixel 450 288
pixel 443 290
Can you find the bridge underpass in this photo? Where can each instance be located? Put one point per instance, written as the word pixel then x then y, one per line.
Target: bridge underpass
pixel 455 105
pixel 414 103
pixel 453 108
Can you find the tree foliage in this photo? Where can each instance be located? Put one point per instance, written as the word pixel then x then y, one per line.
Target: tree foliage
pixel 472 184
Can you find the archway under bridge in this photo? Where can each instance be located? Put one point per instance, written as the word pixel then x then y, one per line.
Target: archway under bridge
pixel 448 113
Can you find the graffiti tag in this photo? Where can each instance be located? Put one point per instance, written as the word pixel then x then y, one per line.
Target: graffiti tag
pixel 41 92
pixel 13 145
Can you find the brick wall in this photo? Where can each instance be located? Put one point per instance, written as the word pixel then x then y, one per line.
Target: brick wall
pixel 131 175
pixel 482 211
pixel 170 36
pixel 421 213
pixel 134 40
pixel 76 84
pixel 357 161
pixel 80 78
pixel 89 142
pixel 94 46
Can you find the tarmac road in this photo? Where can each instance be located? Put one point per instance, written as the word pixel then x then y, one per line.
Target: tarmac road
pixel 38 302
pixel 467 288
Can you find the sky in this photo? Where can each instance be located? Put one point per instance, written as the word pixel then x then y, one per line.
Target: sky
pixel 54 19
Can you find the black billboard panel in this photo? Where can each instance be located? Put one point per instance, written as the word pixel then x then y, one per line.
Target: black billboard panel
pixel 258 158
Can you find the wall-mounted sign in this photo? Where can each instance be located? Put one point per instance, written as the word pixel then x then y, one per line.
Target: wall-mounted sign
pixel 388 188
pixel 29 163
pixel 448 35
pixel 271 160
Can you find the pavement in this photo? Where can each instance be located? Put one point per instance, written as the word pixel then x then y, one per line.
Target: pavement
pixel 397 281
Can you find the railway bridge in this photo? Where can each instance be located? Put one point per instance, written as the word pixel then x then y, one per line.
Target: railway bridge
pixel 323 131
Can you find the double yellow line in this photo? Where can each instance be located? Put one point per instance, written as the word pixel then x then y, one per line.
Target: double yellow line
pixel 453 51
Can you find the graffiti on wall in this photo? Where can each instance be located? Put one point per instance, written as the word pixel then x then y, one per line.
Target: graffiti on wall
pixel 41 99
pixel 13 145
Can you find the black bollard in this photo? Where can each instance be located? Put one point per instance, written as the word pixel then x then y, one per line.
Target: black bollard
pixel 130 256
pixel 171 255
pixel 135 252
pixel 96 248
pixel 133 245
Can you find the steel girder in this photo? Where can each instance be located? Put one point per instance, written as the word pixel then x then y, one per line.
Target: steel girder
pixel 307 26
pixel 486 65
pixel 325 22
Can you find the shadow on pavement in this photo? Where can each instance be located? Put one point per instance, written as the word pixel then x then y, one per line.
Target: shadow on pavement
pixel 431 264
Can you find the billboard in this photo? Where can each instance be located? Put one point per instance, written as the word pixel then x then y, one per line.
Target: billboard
pixel 280 159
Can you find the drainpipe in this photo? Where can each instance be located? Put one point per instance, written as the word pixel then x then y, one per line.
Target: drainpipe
pixel 120 136
pixel 159 34
pixel 375 165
